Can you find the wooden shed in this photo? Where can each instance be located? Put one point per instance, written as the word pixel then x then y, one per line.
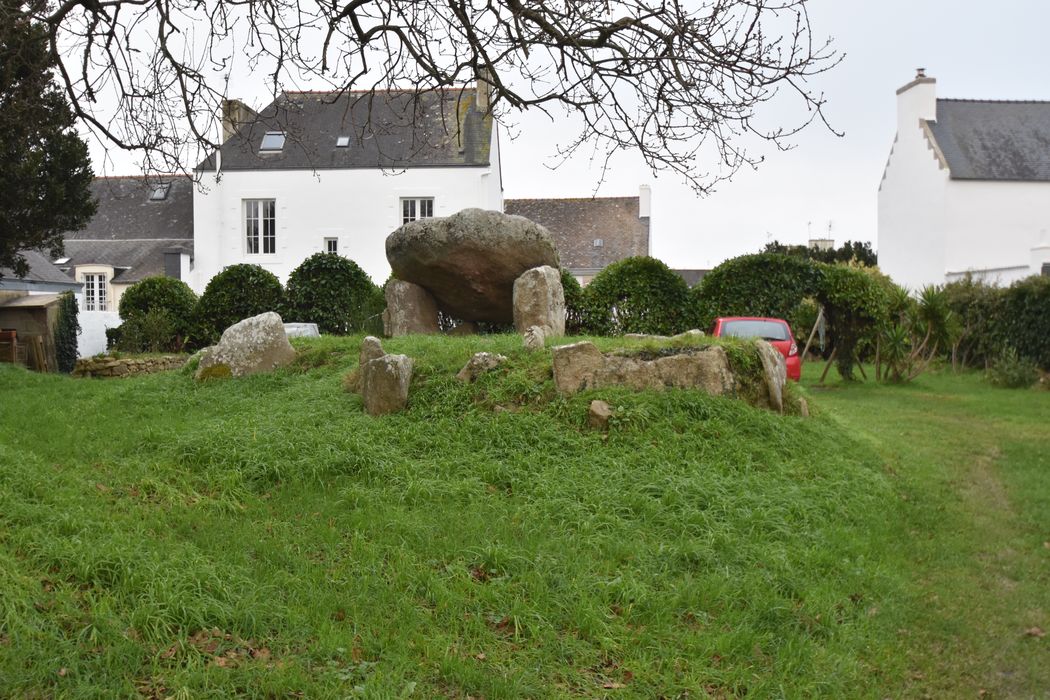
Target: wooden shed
pixel 27 330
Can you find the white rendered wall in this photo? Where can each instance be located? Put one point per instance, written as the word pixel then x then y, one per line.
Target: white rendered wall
pixel 360 207
pixel 911 201
pixel 93 325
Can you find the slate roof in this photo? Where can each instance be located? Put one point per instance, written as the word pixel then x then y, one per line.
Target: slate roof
pixel 387 129
pixel 133 260
pixel 577 223
pixel 984 140
pixel 125 211
pixel 41 270
pixel 130 231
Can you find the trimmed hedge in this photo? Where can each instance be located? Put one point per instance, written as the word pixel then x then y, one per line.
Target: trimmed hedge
pixel 333 292
pixel 764 284
pixel 236 293
pixel 637 295
pixel 1023 319
pixel 856 306
pixel 574 303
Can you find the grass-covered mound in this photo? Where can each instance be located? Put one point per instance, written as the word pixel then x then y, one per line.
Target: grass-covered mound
pixel 263 536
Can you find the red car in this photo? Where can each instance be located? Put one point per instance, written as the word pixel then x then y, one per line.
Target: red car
pixel 774 330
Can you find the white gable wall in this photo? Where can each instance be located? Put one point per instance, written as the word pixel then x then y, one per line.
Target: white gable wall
pixel 933 229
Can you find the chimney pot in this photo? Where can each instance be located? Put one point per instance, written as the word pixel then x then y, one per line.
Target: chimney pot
pixel 920 73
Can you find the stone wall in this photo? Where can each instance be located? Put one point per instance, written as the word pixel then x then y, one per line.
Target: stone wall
pixel 126 366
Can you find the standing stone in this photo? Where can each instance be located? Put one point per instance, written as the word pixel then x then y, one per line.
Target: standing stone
pixel 577 366
pixel 410 309
pixel 539 300
pixel 598 415
pixel 371 349
pixel 775 369
pixel 534 339
pixel 803 407
pixel 469 261
pixel 254 345
pixel 384 384
pixel 477 365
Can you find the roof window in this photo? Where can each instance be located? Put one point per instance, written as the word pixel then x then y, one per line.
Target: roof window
pixel 272 141
pixel 598 243
pixel 160 192
pixel 62 261
pixel 342 142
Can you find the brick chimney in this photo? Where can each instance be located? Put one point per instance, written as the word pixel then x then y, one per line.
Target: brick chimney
pixel 235 114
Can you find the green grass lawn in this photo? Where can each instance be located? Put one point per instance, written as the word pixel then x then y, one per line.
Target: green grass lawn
pixel 265 538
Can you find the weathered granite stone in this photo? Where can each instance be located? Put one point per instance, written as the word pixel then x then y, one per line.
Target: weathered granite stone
pixel 409 309
pixel 693 334
pixel 301 330
pixel 598 415
pixel 371 349
pixel 384 384
pixel 539 300
pixel 775 368
pixel 469 261
pixel 254 345
pixel 582 366
pixel 534 338
pixel 477 365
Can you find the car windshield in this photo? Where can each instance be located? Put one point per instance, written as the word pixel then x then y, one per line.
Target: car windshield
pixel 769 330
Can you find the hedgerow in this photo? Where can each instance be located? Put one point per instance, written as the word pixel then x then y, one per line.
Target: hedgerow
pixel 765 284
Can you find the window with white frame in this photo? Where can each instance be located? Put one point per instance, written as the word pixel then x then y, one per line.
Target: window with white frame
pixel 94 291
pixel 260 226
pixel 413 208
pixel 331 245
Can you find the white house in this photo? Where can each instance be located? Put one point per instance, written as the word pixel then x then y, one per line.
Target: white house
pixel 338 172
pixel 966 189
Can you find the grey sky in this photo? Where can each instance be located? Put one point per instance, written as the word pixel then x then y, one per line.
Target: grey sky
pixel 985 50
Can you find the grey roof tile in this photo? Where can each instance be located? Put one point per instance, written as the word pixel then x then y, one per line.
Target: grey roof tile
pixel 388 129
pixel 984 140
pixel 41 269
pixel 135 259
pixel 125 211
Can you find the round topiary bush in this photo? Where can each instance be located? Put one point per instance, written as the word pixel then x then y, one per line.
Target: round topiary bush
pixel 162 296
pixel 766 284
pixel 637 295
pixel 333 292
pixel 236 293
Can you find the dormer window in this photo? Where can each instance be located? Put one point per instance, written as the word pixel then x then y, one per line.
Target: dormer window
pixel 342 142
pixel 273 141
pixel 160 192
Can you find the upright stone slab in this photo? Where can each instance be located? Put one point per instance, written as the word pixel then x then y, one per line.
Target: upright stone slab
pixel 775 369
pixel 410 309
pixel 254 345
pixel 384 384
pixel 301 330
pixel 539 300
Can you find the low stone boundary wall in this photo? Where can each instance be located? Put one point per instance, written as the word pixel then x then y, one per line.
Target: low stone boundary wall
pixel 126 366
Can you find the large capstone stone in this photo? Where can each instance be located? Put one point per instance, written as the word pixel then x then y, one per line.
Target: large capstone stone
pixel 583 366
pixel 384 384
pixel 254 345
pixel 410 309
pixel 539 300
pixel 469 261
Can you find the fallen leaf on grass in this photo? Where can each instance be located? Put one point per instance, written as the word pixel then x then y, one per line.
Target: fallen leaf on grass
pixel 62 672
pixel 1035 632
pixel 613 686
pixel 480 656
